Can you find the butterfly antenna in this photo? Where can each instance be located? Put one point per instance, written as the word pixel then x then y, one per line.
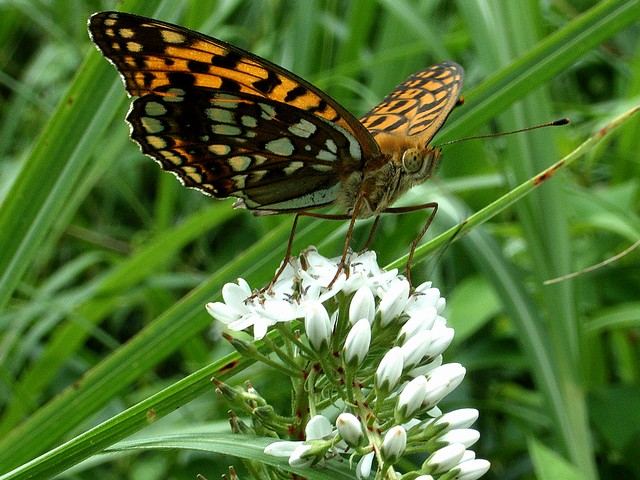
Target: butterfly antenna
pixel 555 123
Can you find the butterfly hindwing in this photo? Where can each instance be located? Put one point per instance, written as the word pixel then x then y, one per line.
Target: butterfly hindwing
pixel 271 155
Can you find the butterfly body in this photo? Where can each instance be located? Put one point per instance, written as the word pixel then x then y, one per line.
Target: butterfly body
pixel 232 124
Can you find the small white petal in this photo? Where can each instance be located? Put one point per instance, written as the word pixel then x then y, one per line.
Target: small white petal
pixel 362 305
pixel 281 449
pixel 424 477
pixel 260 328
pixel 299 456
pixel 236 294
pixel 222 312
pixel 394 444
pixel 356 346
pixel 389 370
pixel 318 427
pixel 363 470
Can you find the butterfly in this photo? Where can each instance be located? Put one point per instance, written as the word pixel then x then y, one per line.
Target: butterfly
pixel 231 124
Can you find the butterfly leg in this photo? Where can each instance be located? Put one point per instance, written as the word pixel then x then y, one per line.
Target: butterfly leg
pixel 373 229
pixel 287 254
pixel 434 208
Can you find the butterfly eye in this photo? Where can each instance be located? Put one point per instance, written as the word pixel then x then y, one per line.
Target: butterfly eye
pixel 412 160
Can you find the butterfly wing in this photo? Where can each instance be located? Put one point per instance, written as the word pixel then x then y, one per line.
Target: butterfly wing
pixel 150 54
pixel 227 122
pixel 274 157
pixel 419 106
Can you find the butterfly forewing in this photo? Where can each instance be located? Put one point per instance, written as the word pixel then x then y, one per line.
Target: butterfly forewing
pixel 151 54
pixel 418 107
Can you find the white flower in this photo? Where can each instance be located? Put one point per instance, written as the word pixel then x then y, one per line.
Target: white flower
pixel 401 365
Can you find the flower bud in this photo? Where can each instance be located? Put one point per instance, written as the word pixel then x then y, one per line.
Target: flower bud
pixel 393 445
pixel 317 325
pixel 411 398
pixel 362 305
pixel 393 301
pixel 461 418
pixel 389 371
pixel 350 429
pixel 318 427
pixel 472 469
pixel 465 436
pixel 445 458
pixel 416 348
pixel 442 381
pixel 356 346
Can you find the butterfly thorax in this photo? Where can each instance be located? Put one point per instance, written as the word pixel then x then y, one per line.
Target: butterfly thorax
pixel 386 178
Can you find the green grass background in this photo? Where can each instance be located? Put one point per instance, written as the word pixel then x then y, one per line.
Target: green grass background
pixel 106 261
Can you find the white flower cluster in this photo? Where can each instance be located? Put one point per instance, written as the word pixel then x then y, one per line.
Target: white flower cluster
pixel 373 350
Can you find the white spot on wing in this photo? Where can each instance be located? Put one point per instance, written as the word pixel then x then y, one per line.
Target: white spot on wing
pixel 281 146
pixel 219 149
pixel 134 47
pixel 155 109
pixel 220 115
pixel 304 128
pixel 249 121
pixel 170 36
pixel 292 167
pixel 222 129
pixel 324 155
pixel 156 142
pixel 239 163
pixel 152 125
